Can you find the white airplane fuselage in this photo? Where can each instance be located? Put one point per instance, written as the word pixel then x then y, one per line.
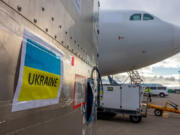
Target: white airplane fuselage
pixel 128 43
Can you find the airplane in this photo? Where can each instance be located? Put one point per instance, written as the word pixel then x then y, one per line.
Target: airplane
pixel 49 52
pixel 132 39
pixel 48 55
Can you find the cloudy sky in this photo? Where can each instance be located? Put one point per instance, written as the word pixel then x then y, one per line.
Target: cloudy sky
pixel 165 72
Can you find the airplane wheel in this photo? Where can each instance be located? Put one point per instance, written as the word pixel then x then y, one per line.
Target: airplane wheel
pixel 157 112
pixel 135 119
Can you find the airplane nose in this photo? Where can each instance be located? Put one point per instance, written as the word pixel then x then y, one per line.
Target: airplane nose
pixel 176 39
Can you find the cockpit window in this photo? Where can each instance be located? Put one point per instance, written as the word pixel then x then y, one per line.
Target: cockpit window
pixel 135 17
pixel 148 17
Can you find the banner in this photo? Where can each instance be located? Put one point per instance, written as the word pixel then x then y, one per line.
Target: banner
pixel 41 74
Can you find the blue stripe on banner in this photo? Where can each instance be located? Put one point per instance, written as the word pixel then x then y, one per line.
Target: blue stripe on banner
pixel 41 58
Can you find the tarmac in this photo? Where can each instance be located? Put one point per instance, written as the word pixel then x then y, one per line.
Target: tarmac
pixel 151 125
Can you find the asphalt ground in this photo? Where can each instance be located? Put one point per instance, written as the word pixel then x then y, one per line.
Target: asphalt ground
pixel 152 125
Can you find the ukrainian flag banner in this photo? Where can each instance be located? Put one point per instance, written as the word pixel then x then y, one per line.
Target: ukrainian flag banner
pixel 41 74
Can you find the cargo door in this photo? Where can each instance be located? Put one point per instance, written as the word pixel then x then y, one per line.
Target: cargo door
pixel 111 97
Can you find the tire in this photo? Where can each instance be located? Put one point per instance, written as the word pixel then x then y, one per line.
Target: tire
pixel 135 119
pixel 157 112
pixel 162 95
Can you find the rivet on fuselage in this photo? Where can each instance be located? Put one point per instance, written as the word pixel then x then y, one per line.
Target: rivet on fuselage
pixel 52 18
pixel 35 20
pixel 43 9
pixel 19 8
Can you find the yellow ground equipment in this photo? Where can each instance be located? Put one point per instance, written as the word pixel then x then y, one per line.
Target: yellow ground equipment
pixel 169 107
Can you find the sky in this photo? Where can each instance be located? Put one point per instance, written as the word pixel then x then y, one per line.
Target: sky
pixel 165 72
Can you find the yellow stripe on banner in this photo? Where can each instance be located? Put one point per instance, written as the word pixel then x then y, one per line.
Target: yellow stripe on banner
pixel 37 85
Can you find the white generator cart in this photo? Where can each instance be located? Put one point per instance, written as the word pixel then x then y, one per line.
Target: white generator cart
pixel 124 98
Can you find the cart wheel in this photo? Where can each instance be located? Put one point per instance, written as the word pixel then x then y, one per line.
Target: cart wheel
pixel 135 119
pixel 157 112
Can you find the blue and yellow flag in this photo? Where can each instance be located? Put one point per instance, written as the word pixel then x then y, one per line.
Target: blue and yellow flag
pixel 40 77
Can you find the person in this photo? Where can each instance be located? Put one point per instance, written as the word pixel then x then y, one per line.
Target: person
pixel 148 91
